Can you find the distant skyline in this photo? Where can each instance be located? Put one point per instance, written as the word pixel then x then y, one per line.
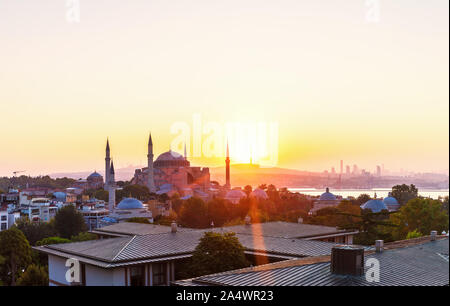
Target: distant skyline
pixel 339 87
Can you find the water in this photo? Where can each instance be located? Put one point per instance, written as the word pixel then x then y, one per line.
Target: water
pixel 381 192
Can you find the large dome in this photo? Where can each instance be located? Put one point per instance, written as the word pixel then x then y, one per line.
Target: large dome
pixel 375 206
pixel 259 194
pixel 95 175
pixel 130 203
pixel 390 200
pixel 171 159
pixel 327 196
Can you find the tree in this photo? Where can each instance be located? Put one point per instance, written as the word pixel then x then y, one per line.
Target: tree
pixel 35 231
pixel 135 191
pixel 194 213
pixel 34 276
pixel 248 190
pixel 69 222
pixel 16 253
pixel 362 198
pixel 217 253
pixel 217 212
pixel 404 193
pixel 422 215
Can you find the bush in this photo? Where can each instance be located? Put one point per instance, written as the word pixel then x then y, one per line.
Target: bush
pixel 34 276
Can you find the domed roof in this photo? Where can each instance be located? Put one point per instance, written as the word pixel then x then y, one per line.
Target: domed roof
pixel 59 195
pixel 94 175
pixel 235 194
pixel 390 200
pixel 259 193
pixel 374 205
pixel 170 155
pixel 327 196
pixel 130 203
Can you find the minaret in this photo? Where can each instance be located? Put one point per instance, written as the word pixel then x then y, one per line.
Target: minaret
pixel 107 165
pixel 185 152
pixel 111 189
pixel 227 170
pixel 150 179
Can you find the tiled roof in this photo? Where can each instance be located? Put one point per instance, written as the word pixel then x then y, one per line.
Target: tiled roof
pixel 128 249
pixel 415 263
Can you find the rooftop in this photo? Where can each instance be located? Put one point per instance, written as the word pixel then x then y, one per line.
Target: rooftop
pixel 415 262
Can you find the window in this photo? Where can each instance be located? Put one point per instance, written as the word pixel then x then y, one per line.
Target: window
pixel 159 274
pixel 3 226
pixel 137 276
pixel 3 218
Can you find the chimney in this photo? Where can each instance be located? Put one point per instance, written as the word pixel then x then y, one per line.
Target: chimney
pixel 300 220
pixel 174 227
pixel 433 235
pixel 379 244
pixel 248 220
pixel 347 260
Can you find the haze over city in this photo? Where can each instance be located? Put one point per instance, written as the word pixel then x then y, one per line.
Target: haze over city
pixel 338 87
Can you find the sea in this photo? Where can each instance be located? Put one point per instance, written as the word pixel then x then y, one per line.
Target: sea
pixel 380 192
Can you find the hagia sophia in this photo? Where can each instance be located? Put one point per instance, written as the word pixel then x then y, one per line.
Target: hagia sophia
pixel 171 173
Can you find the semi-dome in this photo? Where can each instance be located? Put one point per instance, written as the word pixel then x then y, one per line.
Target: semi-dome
pixel 327 196
pixel 130 203
pixel 375 206
pixel 259 194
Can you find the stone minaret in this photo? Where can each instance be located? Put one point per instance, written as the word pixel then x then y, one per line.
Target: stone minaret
pixel 107 165
pixel 150 179
pixel 227 170
pixel 111 189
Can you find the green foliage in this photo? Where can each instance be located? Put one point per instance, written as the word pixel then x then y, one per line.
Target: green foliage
pixel 135 191
pixel 421 215
pixel 403 193
pixel 217 212
pixel 138 220
pixel 69 222
pixel 413 234
pixel 194 214
pixel 85 236
pixel 362 198
pixel 52 240
pixel 35 231
pixel 16 253
pixel 217 253
pixel 34 276
pixel 39 181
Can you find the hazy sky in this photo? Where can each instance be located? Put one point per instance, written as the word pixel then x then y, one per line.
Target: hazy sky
pixel 339 87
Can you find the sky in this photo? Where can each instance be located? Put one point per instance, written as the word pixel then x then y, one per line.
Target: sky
pixel 335 81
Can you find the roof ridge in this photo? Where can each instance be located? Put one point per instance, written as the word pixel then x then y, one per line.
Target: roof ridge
pixel 126 245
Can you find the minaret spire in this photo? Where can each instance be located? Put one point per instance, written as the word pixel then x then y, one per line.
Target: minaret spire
pixel 150 178
pixel 107 164
pixel 227 169
pixel 111 189
pixel 185 152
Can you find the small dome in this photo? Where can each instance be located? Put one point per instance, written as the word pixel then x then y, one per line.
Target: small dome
pixel 60 195
pixel 375 206
pixel 130 203
pixel 259 194
pixel 235 195
pixel 327 196
pixel 390 200
pixel 94 175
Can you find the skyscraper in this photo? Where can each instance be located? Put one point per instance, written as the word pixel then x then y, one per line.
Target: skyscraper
pixel 342 166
